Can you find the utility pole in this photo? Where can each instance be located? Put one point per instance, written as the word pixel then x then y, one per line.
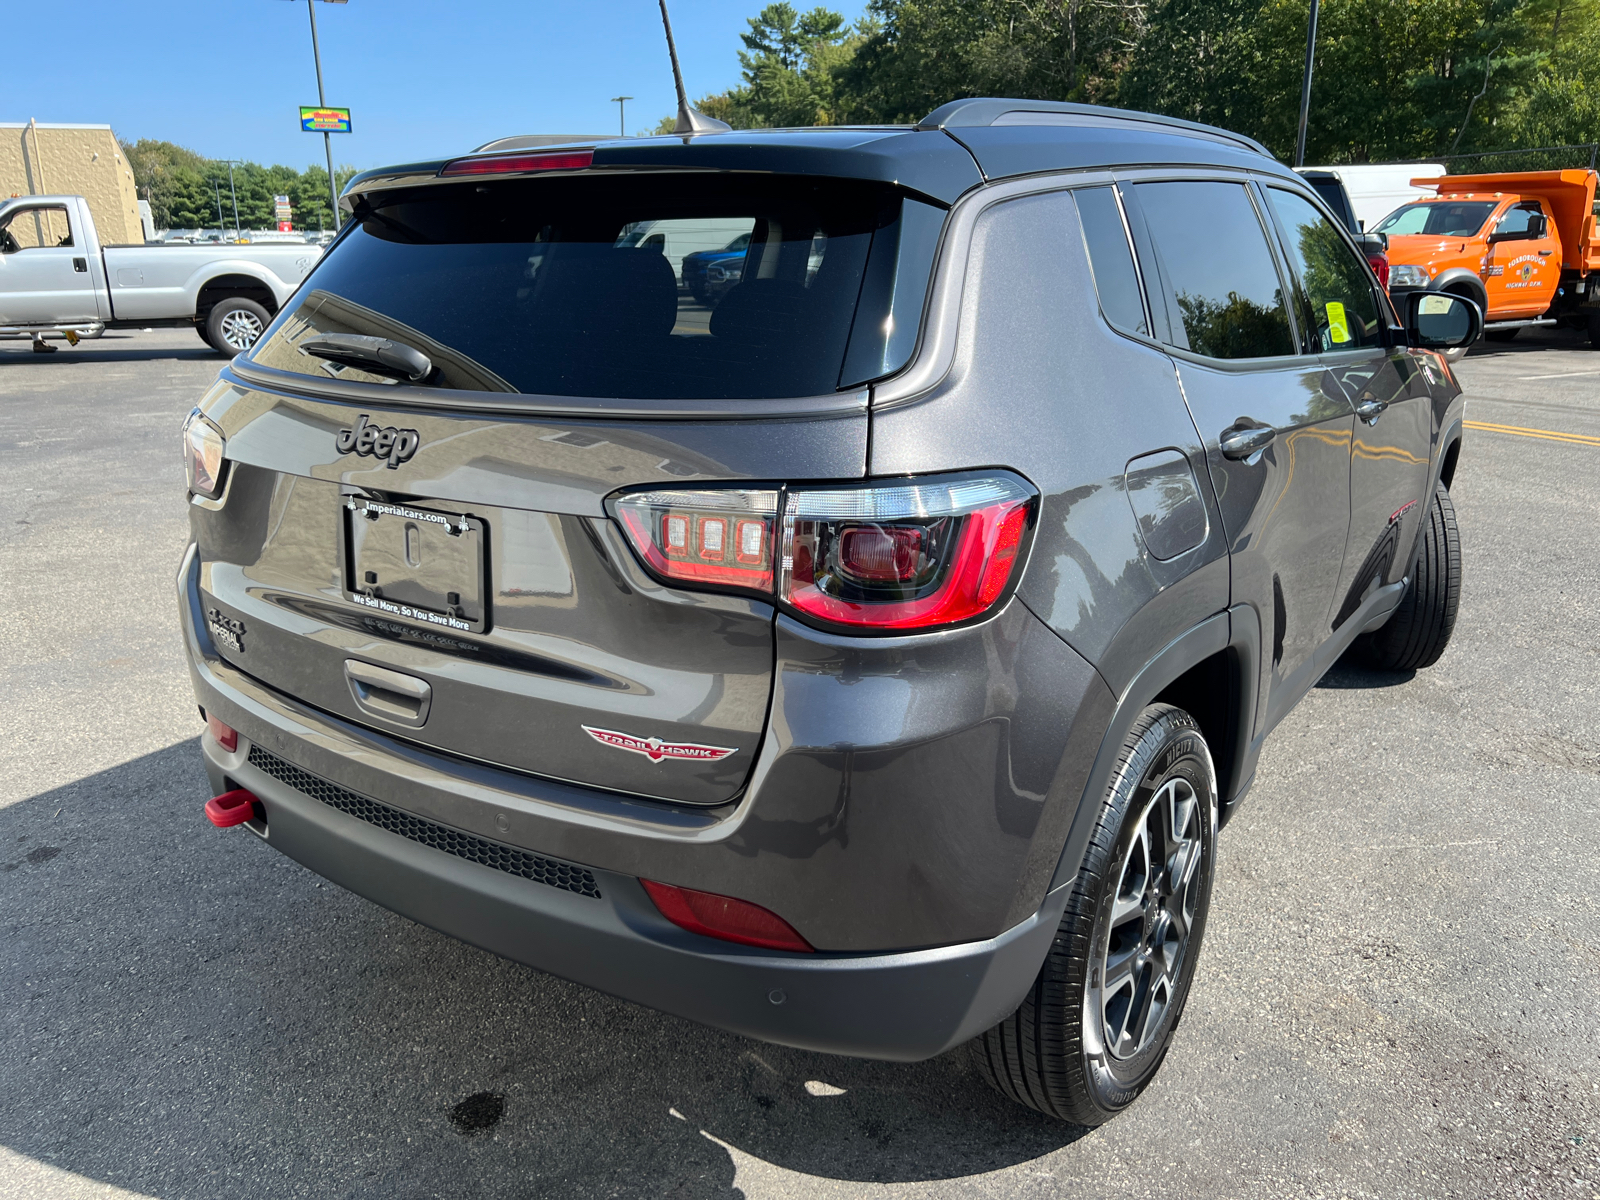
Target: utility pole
pixel 322 101
pixel 217 188
pixel 1305 88
pixel 622 114
pixel 236 231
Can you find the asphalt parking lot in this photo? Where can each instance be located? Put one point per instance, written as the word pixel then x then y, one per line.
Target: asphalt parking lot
pixel 1399 993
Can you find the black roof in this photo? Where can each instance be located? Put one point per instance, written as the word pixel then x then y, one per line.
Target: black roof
pixel 953 149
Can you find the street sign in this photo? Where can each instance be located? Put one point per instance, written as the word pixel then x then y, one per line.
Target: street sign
pixel 285 226
pixel 324 120
pixel 281 209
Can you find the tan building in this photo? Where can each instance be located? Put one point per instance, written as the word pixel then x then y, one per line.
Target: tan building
pixel 73 160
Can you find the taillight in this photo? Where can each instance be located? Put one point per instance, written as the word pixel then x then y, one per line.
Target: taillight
pixel 1380 266
pixel 203 450
pixel 907 556
pixel 516 164
pixel 722 538
pixel 914 554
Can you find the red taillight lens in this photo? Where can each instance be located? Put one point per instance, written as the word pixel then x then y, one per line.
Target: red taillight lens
pixel 226 736
pixel 909 555
pixel 509 164
pixel 926 554
pixel 1380 266
pixel 722 537
pixel 724 917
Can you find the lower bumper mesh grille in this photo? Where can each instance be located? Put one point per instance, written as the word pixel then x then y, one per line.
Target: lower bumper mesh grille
pixel 427 833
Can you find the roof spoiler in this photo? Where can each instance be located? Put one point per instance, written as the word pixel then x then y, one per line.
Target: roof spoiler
pixel 988 110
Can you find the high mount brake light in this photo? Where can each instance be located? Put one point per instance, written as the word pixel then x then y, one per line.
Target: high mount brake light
pixel 911 555
pixel 514 164
pixel 203 455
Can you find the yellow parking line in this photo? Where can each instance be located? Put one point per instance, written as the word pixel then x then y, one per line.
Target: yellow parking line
pixel 1577 439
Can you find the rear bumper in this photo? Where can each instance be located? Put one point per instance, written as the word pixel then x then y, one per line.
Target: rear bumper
pixel 904 1006
pixel 898 1004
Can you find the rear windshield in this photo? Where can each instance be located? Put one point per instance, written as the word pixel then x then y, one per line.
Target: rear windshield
pixel 711 286
pixel 1446 218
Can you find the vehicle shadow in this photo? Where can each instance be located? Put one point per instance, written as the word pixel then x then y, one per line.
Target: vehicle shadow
pixel 188 1014
pixel 1345 674
pixel 20 354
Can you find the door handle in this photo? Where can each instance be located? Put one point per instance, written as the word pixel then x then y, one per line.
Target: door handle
pixel 81 265
pixel 1370 410
pixel 1546 253
pixel 388 694
pixel 1243 441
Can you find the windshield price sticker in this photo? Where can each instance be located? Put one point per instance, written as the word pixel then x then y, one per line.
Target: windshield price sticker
pixel 1338 323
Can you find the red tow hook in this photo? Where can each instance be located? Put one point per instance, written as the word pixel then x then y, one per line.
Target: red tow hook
pixel 231 808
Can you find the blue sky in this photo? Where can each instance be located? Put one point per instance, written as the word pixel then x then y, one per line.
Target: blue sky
pixel 226 77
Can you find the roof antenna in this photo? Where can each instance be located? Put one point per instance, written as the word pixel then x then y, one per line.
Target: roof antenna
pixel 690 122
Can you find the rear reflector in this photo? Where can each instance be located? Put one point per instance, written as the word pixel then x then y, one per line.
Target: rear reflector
pixel 226 736
pixel 515 164
pixel 231 808
pixel 724 917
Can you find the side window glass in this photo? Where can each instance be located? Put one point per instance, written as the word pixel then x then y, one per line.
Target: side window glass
pixel 1111 259
pixel 33 228
pixel 1343 314
pixel 1520 220
pixel 1222 279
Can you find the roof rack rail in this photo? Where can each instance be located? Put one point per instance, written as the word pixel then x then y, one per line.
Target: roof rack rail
pixel 989 110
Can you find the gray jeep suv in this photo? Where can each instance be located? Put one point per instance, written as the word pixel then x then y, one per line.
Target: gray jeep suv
pixel 863 657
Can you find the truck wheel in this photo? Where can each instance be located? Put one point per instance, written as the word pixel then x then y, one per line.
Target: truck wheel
pixel 1093 1030
pixel 1416 635
pixel 234 324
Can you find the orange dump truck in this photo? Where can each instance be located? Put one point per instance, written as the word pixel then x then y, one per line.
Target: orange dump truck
pixel 1524 245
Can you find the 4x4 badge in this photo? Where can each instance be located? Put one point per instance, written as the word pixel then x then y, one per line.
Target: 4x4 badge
pixel 655 749
pixel 392 445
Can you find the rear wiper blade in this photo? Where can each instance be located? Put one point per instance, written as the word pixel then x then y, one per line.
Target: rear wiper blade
pixel 379 355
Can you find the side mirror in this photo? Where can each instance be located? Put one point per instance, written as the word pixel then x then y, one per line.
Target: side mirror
pixel 1442 320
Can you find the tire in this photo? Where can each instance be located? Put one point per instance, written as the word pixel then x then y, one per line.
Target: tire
pixel 1059 1052
pixel 1502 335
pixel 234 324
pixel 1594 329
pixel 1416 635
pixel 200 328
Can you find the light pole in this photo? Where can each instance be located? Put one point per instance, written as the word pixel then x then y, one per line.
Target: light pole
pixel 217 188
pixel 622 114
pixel 1305 88
pixel 235 195
pixel 322 101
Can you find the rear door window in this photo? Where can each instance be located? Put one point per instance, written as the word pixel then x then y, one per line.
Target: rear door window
pixel 1111 259
pixel 676 287
pixel 1223 287
pixel 1339 311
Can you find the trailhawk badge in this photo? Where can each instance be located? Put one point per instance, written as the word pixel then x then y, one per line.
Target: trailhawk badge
pixel 655 749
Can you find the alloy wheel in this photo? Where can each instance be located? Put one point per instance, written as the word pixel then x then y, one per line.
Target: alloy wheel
pixel 240 329
pixel 1152 918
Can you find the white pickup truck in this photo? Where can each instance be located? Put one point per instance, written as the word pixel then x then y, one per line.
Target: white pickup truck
pixel 56 279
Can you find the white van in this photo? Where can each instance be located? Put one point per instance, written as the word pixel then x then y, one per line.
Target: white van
pixel 680 237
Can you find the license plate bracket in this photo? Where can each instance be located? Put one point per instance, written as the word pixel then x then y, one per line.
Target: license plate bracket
pixel 417 564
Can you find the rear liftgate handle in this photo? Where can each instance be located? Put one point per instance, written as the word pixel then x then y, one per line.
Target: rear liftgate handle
pixel 1241 440
pixel 388 694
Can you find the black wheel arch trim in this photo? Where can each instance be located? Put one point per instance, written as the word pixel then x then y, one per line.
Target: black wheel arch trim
pixel 1462 279
pixel 1234 633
